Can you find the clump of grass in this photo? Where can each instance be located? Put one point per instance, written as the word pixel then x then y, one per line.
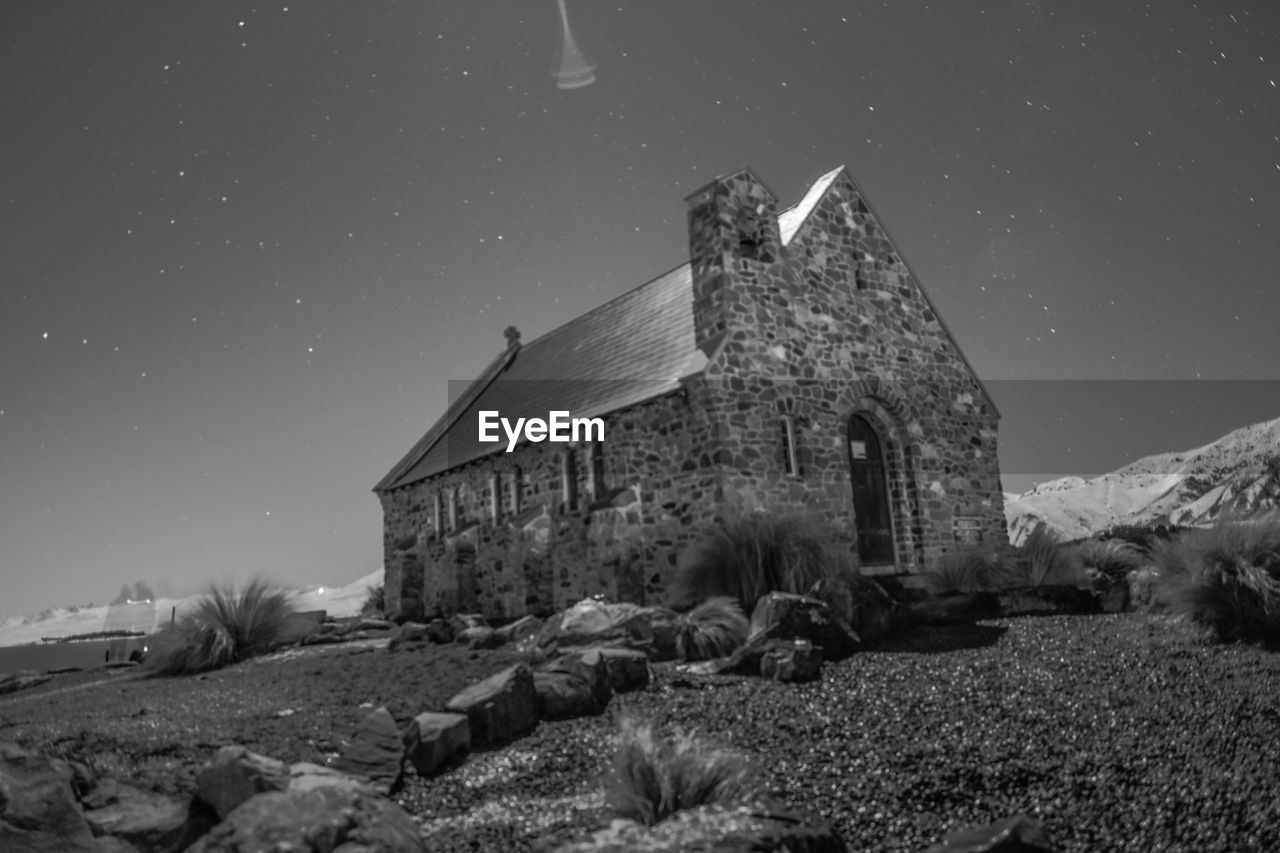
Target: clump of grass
pixel 748 555
pixel 1042 559
pixel 967 571
pixel 225 627
pixel 713 629
pixel 375 601
pixel 652 777
pixel 1114 558
pixel 1225 578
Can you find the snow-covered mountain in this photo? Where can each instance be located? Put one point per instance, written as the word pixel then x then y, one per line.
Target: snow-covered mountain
pixel 147 616
pixel 1239 473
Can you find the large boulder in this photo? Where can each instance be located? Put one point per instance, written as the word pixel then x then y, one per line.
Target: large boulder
pixel 588 665
pixel 791 660
pixel 302 624
pixel 627 669
pixel 787 616
pixel 479 637
pixel 591 622
pixel 375 752
pixel 235 774
pixel 305 776
pixel 432 740
pixel 1017 834
pixel 323 820
pixel 754 828
pixel 407 635
pixel 874 612
pixel 460 622
pixel 151 822
pixel 38 810
pixel 501 707
pixel 563 694
pixel 525 626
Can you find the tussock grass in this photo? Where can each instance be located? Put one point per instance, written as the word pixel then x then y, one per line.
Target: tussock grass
pixel 713 629
pixel 1115 558
pixel 375 601
pixel 1225 578
pixel 965 572
pixel 225 627
pixel 748 555
pixel 652 777
pixel 1042 559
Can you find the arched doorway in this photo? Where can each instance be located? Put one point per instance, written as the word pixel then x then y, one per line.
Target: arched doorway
pixel 871 508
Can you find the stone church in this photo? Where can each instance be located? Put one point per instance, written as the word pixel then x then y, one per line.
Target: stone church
pixel 793 363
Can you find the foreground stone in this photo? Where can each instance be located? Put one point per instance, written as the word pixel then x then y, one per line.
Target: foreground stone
pixel 1017 834
pixel 38 810
pixel 479 637
pixel 323 820
pixel 375 752
pixel 724 829
pixel 407 635
pixel 562 695
pixel 627 669
pixel 525 626
pixel 21 681
pixel 791 660
pixel 592 623
pixel 151 822
pixel 433 740
pixel 786 616
pixel 235 774
pixel 499 708
pixel 305 776
pixel 588 665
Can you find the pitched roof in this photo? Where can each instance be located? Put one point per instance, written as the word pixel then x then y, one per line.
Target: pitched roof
pixel 630 349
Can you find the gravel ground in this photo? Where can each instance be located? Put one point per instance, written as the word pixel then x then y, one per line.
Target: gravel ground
pixel 1122 732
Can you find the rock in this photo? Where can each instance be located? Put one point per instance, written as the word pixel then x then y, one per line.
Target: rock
pixel 791 660
pixel 151 822
pixel 305 776
pixel 1017 834
pixel 1115 598
pixel 373 625
pixel 875 613
pixel 235 774
pixel 756 828
pixel 324 639
pixel 627 669
pixel 591 622
pixel 303 624
pixel 112 844
pixel 590 666
pixel 38 810
pixel 375 752
pixel 439 631
pixel 562 695
pixel 525 626
pixel 407 634
pixel 479 638
pixel 433 740
pixel 460 622
pixel 786 616
pixel 664 624
pixel 500 707
pixel 21 681
pixel 103 793
pixel 322 820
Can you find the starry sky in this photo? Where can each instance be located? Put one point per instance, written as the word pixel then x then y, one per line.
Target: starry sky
pixel 246 246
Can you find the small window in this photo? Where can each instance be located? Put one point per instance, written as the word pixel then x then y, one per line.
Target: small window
pixel 495 497
pixel 597 483
pixel 438 511
pixel 569 480
pixel 516 487
pixel 454 515
pixel 789 446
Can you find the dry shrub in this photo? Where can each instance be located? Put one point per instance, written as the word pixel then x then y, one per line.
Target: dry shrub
pixel 748 555
pixel 652 777
pixel 713 629
pixel 966 571
pixel 1115 558
pixel 1225 578
pixel 225 627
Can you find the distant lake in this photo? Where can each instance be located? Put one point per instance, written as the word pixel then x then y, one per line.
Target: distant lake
pixel 40 657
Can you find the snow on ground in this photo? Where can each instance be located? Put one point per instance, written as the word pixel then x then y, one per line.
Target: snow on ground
pixel 148 616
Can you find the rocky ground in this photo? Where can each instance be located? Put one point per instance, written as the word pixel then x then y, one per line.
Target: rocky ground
pixel 1120 732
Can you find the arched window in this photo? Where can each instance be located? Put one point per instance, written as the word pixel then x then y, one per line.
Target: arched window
pixel 871 508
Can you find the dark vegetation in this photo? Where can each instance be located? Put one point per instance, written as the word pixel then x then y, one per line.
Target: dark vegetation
pixel 226 626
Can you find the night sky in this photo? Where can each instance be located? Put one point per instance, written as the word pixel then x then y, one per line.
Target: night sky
pixel 245 247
